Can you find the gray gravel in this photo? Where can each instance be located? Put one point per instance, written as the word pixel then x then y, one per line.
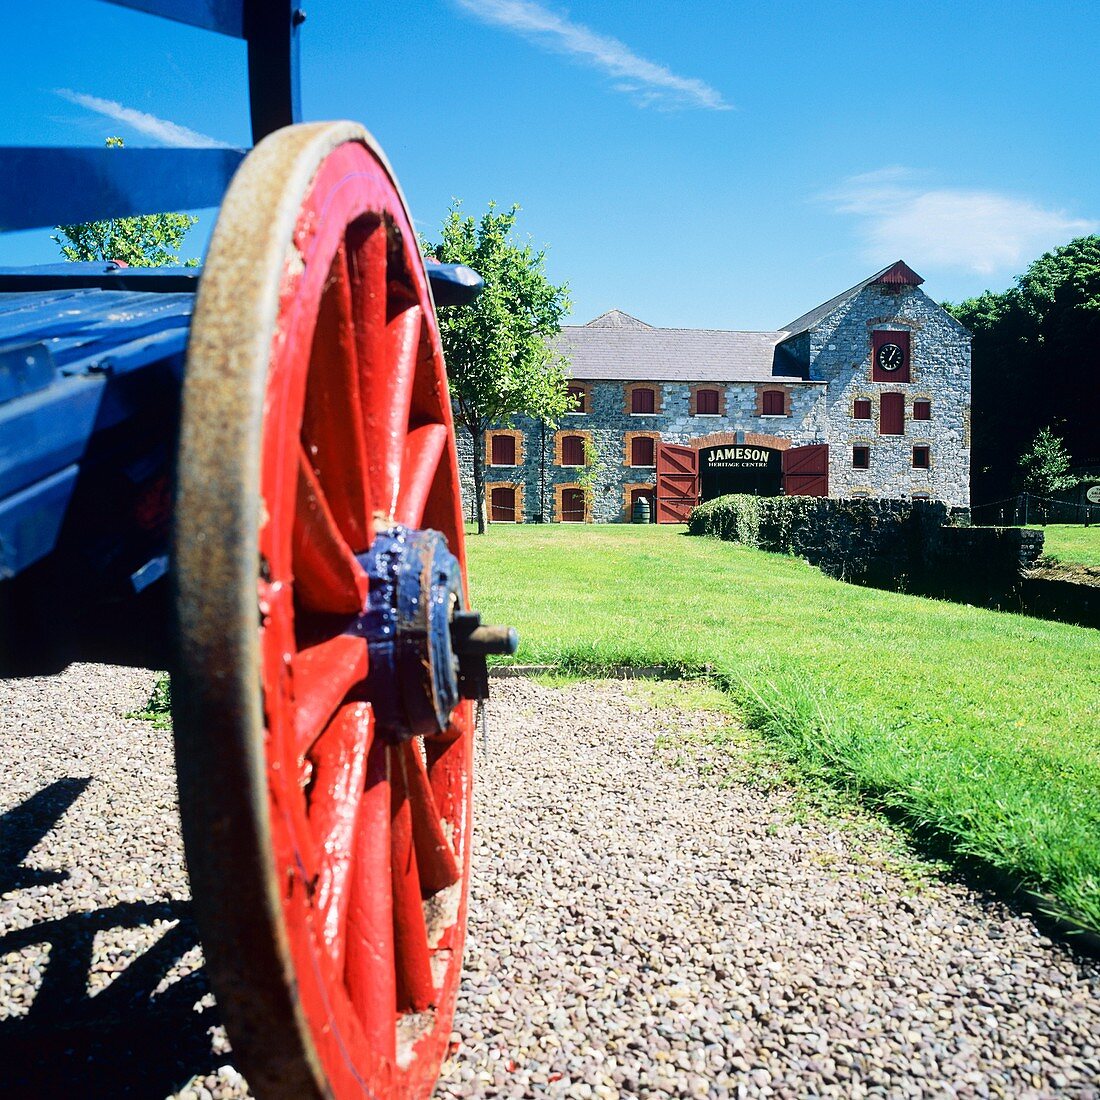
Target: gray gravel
pixel 639 926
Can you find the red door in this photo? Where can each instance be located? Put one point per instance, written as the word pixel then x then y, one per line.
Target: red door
pixel 677 482
pixel 572 506
pixel 502 504
pixel 806 471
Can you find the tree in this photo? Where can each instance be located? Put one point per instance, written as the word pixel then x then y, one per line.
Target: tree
pixel 1034 362
pixel 499 361
pixel 148 240
pixel 1045 465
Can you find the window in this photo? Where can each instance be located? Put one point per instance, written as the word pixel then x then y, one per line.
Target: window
pixel 706 402
pixel 502 504
pixel 774 403
pixel 861 410
pixel 578 397
pixel 504 450
pixel 861 457
pixel 642 451
pixel 572 506
pixel 891 414
pixel 643 400
pixel 922 410
pixel 572 450
pixel 922 458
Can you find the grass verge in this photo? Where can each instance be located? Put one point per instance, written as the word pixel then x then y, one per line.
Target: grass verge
pixel 974 728
pixel 1072 543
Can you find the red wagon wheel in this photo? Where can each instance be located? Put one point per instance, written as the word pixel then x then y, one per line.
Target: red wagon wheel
pixel 325 775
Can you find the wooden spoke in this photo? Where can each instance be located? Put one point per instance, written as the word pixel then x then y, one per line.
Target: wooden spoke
pixel 424 447
pixel 415 988
pixel 435 860
pixel 332 426
pixel 369 967
pixel 326 575
pixel 323 675
pixel 336 790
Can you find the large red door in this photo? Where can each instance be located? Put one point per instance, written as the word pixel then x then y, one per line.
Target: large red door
pixel 677 482
pixel 806 471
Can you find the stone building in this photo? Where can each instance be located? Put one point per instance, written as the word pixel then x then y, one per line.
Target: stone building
pixel 868 395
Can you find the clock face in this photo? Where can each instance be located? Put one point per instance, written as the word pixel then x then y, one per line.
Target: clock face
pixel 890 357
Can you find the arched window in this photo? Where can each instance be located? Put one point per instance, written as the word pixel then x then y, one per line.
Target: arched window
pixel 706 402
pixel 862 408
pixel 774 403
pixel 504 450
pixel 642 451
pixel 643 399
pixel 578 398
pixel 572 506
pixel 572 450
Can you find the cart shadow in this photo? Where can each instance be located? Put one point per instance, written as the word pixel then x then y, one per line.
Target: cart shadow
pixel 144 1032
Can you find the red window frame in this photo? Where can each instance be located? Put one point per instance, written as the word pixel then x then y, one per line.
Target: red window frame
pixel 886 336
pixel 503 450
pixel 861 408
pixel 773 403
pixel 891 420
pixel 643 451
pixel 580 399
pixel 640 398
pixel 861 456
pixel 706 402
pixel 572 450
pixel 922 409
pixel 922 457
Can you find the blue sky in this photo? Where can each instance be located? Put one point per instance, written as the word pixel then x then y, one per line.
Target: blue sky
pixel 710 163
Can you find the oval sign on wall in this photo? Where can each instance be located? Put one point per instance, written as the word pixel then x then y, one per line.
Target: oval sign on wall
pixel 1092 494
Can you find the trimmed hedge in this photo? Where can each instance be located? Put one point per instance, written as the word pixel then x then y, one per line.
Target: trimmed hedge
pixel 864 541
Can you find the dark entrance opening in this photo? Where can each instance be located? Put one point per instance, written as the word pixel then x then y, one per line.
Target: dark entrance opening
pixel 647 495
pixel 740 468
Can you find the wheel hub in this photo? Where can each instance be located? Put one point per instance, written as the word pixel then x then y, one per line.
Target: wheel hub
pixel 427 651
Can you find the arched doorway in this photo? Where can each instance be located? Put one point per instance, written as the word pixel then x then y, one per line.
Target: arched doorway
pixel 572 506
pixel 502 504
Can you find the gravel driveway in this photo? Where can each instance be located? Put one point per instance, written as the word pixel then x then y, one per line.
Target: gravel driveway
pixel 639 925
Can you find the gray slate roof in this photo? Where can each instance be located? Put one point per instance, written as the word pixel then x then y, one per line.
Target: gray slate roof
pixel 808 320
pixel 618 346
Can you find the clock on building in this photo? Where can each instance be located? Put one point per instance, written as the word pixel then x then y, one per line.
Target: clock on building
pixel 890 357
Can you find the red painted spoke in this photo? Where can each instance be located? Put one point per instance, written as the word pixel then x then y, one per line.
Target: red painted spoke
pixel 435 861
pixel 326 575
pixel 369 960
pixel 339 770
pixel 415 988
pixel 423 450
pixel 388 345
pixel 332 427
pixel 323 676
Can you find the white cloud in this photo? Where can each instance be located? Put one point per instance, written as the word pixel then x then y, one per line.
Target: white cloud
pixel 649 83
pixel 979 231
pixel 159 129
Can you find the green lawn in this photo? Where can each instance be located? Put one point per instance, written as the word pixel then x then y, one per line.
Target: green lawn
pixel 978 728
pixel 1072 543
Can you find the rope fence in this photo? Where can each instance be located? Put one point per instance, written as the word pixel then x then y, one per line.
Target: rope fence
pixel 1027 509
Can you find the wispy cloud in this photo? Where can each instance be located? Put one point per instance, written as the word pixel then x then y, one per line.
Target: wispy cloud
pixel 159 129
pixel 649 83
pixel 980 231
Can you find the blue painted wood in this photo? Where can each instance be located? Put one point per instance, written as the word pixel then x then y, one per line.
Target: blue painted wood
pixel 224 16
pixel 57 186
pixel 30 521
pixel 454 284
pixel 105 276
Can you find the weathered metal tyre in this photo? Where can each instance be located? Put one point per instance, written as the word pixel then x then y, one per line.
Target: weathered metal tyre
pixel 329 862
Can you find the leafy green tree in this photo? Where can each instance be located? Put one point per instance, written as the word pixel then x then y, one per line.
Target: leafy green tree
pixel 499 361
pixel 1035 362
pixel 1045 465
pixel 148 240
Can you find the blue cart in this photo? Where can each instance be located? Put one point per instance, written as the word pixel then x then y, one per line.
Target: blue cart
pixel 247 473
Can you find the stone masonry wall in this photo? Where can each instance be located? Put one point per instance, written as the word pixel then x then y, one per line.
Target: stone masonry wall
pixel 840 354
